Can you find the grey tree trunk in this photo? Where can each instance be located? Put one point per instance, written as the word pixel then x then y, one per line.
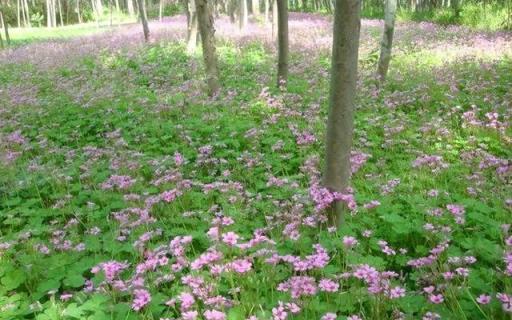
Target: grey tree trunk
pixel 143 18
pixel 60 13
pixel 282 62
pixel 387 39
pixel 340 123
pixel 232 5
pixel 243 15
pixel 18 12
pixel 274 19
pixel 26 14
pixel 192 26
pixel 207 31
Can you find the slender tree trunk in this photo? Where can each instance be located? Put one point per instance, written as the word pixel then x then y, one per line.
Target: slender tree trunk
pixel 129 5
pixel 160 10
pixel 78 11
pixel 18 12
pixel 192 26
pixel 60 13
pixel 256 7
pixel 207 30
pixel 274 19
pixel 243 15
pixel 282 33
pixel 143 18
pixel 232 5
pixel 3 23
pixel 340 123
pixel 387 39
pixel 26 14
pixel 267 10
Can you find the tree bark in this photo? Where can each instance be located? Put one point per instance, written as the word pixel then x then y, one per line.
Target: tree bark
pixel 256 7
pixel 267 9
pixel 243 15
pixel 143 18
pixel 60 14
pixel 207 31
pixel 129 5
pixel 282 64
pixel 387 39
pixel 274 19
pixel 192 26
pixel 160 10
pixel 340 123
pixel 3 23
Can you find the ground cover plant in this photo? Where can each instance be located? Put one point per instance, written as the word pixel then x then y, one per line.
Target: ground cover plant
pixel 127 193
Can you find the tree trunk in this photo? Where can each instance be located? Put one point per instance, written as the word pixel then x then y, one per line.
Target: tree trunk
pixel 60 14
pixel 160 10
pixel 129 5
pixel 26 14
pixel 256 7
pixel 3 23
pixel 282 64
pixel 274 19
pixel 18 12
pixel 243 14
pixel 207 30
pixel 387 39
pixel 232 4
pixel 340 123
pixel 78 11
pixel 143 18
pixel 267 10
pixel 192 26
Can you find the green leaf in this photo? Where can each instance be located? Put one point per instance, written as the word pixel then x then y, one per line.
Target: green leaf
pixel 13 279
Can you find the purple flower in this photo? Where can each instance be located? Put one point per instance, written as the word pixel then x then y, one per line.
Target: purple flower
pixel 142 298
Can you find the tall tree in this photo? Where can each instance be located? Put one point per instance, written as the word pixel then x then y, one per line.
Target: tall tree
pixel 282 42
pixel 274 19
pixel 340 123
pixel 191 25
pixel 255 7
pixel 207 31
pixel 267 9
pixel 4 25
pixel 131 10
pixel 143 18
pixel 387 39
pixel 243 15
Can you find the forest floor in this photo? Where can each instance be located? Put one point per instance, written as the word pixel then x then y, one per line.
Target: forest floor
pixel 125 193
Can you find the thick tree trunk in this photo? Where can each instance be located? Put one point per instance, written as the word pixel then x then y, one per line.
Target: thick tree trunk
pixel 192 26
pixel 143 18
pixel 274 19
pixel 340 123
pixel 387 39
pixel 282 64
pixel 207 31
pixel 243 15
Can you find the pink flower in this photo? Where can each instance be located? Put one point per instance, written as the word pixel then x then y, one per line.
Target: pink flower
pixel 187 300
pixel 397 292
pixel 66 296
pixel 329 316
pixel 328 285
pixel 436 298
pixel 349 242
pixel 142 298
pixel 189 315
pixel 354 317
pixel 230 238
pixel 214 315
pixel 483 299
pixel 241 265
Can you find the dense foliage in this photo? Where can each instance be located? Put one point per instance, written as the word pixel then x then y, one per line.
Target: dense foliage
pixel 126 193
